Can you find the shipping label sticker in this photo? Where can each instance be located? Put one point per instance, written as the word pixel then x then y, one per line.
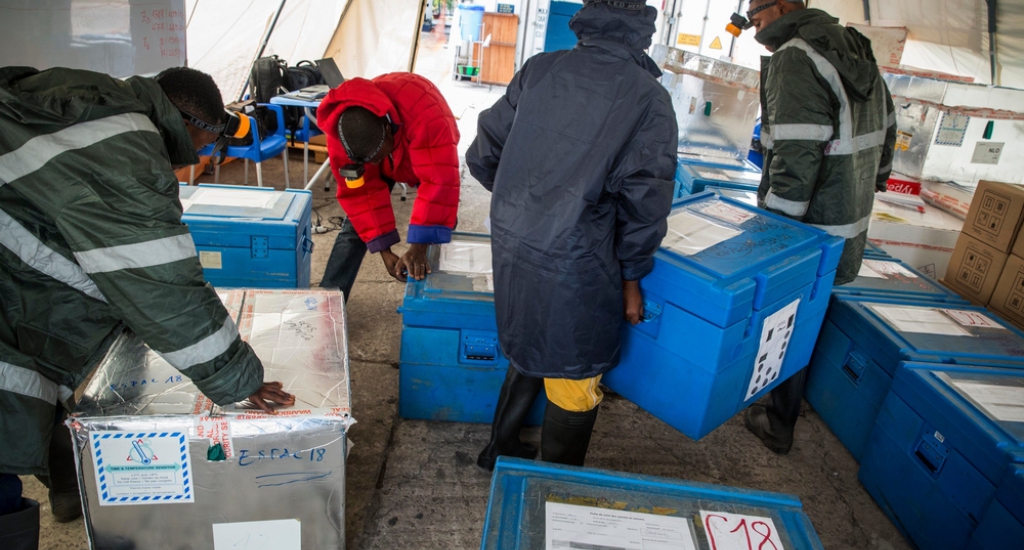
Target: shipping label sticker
pixel 727 531
pixel 987 152
pixel 210 259
pixel 903 140
pixel 142 468
pixel 972 319
pixel 920 320
pixel 866 271
pixel 728 213
pixel 281 534
pixel 952 130
pixel 571 526
pixel 889 268
pixel 1001 403
pixel 688 39
pixel 689 234
pixel 218 430
pixel 776 334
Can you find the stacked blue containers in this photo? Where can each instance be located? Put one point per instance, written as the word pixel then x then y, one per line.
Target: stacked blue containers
pixel 252 237
pixel 944 440
pixel 891 278
pixel 864 340
pixel 733 308
pixel 1002 526
pixel 875 252
pixel 537 505
pixel 693 177
pixel 452 367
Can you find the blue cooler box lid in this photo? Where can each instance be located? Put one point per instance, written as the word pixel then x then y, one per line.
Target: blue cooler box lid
pixel 719 176
pixel 228 215
pixel 537 505
pixel 731 163
pixel 872 250
pixel 461 277
pixel 894 279
pixel 1011 492
pixel 722 259
pixel 931 333
pixel 978 411
pixel 748 197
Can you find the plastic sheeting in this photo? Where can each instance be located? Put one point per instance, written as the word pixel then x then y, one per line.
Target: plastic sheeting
pixel 224 37
pixel 949 36
pixel 377 37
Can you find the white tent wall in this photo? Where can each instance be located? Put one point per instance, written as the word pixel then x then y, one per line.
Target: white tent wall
pixel 1010 44
pixel 377 37
pixel 224 37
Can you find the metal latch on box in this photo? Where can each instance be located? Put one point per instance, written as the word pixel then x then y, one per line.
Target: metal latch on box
pixel 479 347
pixel 260 248
pixel 931 452
pixel 855 365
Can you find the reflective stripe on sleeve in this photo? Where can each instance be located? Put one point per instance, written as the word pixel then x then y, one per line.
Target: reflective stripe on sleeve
pixel 29 383
pixel 848 231
pixel 794 209
pixel 205 350
pixel 802 132
pixel 137 255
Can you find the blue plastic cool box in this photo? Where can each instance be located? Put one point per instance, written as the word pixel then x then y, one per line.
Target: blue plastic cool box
pixel 536 505
pixel 891 278
pixel 693 177
pixel 733 308
pixel 452 366
pixel 252 237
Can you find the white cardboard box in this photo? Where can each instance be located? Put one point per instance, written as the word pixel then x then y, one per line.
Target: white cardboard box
pixel 924 240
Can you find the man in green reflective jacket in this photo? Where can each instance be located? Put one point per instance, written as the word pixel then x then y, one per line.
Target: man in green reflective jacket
pixel 90 237
pixel 829 130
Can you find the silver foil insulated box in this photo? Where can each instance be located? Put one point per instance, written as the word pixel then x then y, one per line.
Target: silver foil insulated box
pixel 716 102
pixel 161 466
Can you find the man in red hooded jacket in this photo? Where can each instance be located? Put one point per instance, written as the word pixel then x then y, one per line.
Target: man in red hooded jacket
pixel 394 128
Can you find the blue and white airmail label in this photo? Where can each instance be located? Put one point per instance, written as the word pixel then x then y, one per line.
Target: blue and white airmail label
pixel 142 468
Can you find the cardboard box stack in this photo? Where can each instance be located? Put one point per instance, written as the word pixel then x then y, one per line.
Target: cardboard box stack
pixel 987 267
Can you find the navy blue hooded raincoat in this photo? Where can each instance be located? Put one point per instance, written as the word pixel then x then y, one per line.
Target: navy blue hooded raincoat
pixel 580 155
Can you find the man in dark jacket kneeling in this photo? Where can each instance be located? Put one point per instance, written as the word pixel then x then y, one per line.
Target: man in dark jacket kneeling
pixel 580 155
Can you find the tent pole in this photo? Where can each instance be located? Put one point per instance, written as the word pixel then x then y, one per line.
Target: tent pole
pixel 993 14
pixel 732 47
pixel 416 41
pixel 867 11
pixel 263 45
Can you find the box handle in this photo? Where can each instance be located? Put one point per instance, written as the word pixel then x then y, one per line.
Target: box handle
pixel 651 312
pixel 854 367
pixel 307 245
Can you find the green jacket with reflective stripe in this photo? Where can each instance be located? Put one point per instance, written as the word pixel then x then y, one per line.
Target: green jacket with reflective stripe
pixel 90 237
pixel 829 128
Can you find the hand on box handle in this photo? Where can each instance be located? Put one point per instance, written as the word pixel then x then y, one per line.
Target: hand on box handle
pixel 271 392
pixel 632 302
pixel 413 263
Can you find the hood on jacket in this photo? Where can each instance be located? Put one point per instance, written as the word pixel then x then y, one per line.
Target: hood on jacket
pixel 62 97
pixel 848 50
pixel 356 92
pixel 602 25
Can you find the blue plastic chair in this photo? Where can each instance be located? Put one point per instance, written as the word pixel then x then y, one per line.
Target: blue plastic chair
pixel 260 150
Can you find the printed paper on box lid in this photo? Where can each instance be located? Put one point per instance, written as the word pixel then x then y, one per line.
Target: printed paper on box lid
pixel 996 214
pixel 974 269
pixel 898 183
pixel 1008 297
pixel 950 197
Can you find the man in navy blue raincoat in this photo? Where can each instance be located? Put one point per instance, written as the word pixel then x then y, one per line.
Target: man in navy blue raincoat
pixel 580 155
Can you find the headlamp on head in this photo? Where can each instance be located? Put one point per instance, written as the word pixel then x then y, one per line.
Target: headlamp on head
pixel 234 126
pixel 738 23
pixel 353 173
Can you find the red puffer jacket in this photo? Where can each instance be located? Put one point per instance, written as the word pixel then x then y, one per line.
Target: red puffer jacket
pixel 425 156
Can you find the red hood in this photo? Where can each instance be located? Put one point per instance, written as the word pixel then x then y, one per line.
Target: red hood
pixel 357 92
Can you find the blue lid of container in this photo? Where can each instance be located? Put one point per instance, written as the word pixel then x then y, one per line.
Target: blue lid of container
pixel 1010 492
pixel 977 411
pixel 533 504
pixel 722 259
pixel 937 333
pixel 746 196
pixel 470 7
pixel 693 159
pixel 229 215
pixel 895 279
pixel 460 273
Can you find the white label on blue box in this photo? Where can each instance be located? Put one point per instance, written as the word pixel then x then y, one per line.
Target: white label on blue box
pixel 570 526
pixel 921 320
pixel 776 333
pixel 142 467
pixel 689 234
pixel 1002 403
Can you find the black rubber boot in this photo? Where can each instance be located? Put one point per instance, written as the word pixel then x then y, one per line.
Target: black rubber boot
pixel 566 435
pixel 517 396
pixel 20 530
pixel 65 502
pixel 774 424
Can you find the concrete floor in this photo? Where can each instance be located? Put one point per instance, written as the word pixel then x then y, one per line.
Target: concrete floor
pixel 415 484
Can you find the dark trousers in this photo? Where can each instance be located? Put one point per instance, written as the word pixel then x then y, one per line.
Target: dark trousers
pixel 785 400
pixel 345 261
pixel 10 494
pixel 346 256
